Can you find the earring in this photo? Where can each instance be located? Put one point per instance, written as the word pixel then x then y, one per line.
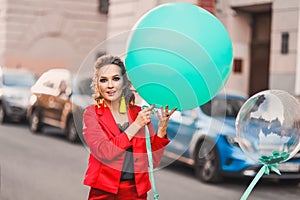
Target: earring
pixel 122 108
pixel 99 102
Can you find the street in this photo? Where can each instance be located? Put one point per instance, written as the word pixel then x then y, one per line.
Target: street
pixel 48 167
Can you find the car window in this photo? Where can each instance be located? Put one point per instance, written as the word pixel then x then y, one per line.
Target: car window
pixel 19 79
pixel 221 107
pixel 53 82
pixel 50 81
pixel 48 84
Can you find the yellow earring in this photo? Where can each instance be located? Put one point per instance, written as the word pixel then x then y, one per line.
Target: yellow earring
pixel 99 102
pixel 122 108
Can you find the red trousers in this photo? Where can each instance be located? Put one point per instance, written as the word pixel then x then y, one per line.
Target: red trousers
pixel 127 191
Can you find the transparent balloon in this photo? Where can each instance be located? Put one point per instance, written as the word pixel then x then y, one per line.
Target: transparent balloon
pixel 268 126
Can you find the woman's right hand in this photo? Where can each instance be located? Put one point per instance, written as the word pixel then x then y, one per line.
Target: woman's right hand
pixel 141 120
pixel 143 117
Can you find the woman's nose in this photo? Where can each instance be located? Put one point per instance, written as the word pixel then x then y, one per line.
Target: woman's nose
pixel 110 84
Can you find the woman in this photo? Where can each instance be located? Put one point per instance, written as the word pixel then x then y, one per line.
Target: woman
pixel 114 131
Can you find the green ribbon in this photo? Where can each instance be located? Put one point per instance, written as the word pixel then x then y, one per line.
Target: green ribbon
pixel 270 163
pixel 150 161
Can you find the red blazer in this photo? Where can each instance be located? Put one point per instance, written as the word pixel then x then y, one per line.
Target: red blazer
pixel 107 150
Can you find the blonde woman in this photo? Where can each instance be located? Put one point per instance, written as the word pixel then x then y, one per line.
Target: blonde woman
pixel 114 131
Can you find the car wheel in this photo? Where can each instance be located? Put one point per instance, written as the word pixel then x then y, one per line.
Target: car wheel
pixel 3 117
pixel 35 123
pixel 71 131
pixel 207 163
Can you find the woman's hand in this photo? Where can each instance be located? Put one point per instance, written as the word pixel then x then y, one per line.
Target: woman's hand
pixel 143 117
pixel 163 117
pixel 141 120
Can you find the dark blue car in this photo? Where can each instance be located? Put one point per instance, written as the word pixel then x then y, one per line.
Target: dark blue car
pixel 205 138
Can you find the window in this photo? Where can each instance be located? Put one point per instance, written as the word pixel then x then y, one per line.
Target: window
pixel 103 6
pixel 19 79
pixel 48 84
pixel 238 65
pixel 285 43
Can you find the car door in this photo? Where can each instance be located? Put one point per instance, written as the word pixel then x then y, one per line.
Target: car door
pixel 63 104
pixel 45 91
pixel 52 97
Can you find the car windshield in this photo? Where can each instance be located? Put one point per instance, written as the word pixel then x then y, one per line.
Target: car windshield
pixel 221 107
pixel 19 79
pixel 82 86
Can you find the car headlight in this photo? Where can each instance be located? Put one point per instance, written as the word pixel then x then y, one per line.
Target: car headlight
pixel 232 140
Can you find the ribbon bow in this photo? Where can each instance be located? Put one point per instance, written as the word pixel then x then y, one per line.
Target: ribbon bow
pixel 271 162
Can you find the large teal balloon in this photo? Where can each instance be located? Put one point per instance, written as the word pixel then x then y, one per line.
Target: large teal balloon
pixel 178 54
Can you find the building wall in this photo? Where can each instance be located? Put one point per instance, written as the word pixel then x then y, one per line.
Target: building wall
pixel 123 14
pixel 284 68
pixel 51 34
pixel 239 29
pixel 297 82
pixel 247 2
pixel 3 6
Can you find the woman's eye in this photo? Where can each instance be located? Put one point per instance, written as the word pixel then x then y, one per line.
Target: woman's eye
pixel 116 78
pixel 102 80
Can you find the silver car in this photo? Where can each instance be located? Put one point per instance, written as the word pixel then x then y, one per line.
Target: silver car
pixel 15 93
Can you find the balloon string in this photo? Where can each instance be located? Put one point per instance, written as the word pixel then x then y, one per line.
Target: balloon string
pixel 150 161
pixel 253 183
pixel 265 169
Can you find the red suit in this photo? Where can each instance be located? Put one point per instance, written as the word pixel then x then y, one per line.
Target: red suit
pixel 108 145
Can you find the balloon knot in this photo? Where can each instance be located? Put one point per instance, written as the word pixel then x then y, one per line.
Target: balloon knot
pixel 271 162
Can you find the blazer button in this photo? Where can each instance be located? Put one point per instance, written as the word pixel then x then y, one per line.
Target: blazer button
pixel 136 159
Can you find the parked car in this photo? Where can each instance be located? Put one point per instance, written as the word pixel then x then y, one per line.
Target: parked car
pixel 58 100
pixel 205 138
pixel 14 93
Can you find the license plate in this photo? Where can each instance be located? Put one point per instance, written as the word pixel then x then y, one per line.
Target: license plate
pixel 288 167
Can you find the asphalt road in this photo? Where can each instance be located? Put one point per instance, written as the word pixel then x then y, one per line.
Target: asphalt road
pixel 48 167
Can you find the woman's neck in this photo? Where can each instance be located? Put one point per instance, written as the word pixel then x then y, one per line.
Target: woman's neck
pixel 114 107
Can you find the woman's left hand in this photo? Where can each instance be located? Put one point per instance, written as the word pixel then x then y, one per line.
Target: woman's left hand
pixel 163 117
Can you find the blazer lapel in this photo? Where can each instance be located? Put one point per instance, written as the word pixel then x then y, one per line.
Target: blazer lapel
pixel 107 120
pixel 132 114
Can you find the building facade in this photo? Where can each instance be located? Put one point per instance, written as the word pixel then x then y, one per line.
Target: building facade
pixel 265 36
pixel 40 34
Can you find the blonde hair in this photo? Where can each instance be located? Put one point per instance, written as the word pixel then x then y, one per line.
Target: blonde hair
pixel 107 60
